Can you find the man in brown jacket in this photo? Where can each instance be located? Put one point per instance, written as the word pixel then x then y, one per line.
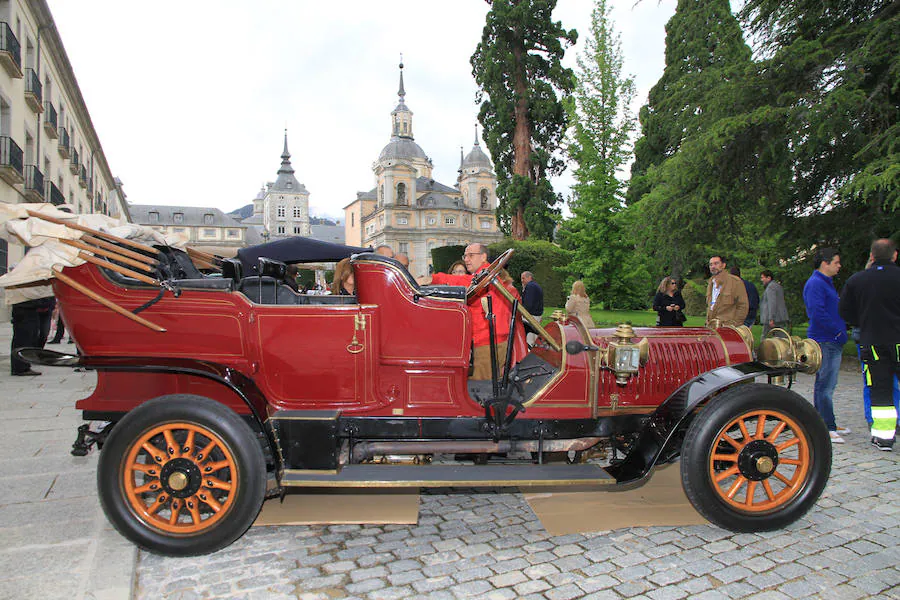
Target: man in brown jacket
pixel 726 296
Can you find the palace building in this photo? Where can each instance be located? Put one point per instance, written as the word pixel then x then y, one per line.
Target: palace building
pixel 411 212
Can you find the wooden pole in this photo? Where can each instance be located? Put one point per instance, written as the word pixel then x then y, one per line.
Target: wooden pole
pixel 529 318
pixel 107 254
pixel 107 303
pixel 94 232
pixel 204 255
pixel 118 269
pixel 123 251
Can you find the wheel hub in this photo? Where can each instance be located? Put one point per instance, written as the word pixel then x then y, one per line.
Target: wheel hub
pixel 758 460
pixel 181 478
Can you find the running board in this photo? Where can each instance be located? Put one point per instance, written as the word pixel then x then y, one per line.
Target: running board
pixel 402 476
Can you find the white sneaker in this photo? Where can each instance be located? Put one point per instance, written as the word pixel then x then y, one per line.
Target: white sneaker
pixel 835 438
pixel 844 430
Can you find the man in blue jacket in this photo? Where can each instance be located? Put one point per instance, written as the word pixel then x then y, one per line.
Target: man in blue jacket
pixel 827 328
pixel 871 300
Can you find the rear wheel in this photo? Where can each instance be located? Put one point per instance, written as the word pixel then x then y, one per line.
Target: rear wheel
pixel 181 475
pixel 756 458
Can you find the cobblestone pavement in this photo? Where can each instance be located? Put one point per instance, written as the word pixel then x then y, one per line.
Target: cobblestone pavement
pixel 56 543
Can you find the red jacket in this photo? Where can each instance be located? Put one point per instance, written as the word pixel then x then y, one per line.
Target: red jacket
pixel 478 308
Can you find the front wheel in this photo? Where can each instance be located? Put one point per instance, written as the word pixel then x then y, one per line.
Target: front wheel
pixel 181 475
pixel 756 458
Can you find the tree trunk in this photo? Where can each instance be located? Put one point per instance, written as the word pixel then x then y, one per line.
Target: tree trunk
pixel 521 141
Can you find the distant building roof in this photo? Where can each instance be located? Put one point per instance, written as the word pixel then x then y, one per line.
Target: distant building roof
pixel 437 200
pixel 327 233
pixel 426 184
pixel 191 215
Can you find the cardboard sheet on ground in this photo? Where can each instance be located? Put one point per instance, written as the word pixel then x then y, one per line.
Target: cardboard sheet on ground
pixel 661 501
pixel 342 507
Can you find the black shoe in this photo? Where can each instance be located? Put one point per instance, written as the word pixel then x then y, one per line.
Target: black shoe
pixel 28 373
pixel 54 341
pixel 883 445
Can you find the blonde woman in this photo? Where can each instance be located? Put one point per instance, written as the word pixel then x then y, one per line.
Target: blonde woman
pixel 579 304
pixel 668 303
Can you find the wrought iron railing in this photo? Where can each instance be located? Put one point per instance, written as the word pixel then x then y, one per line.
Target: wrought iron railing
pixel 9 43
pixel 74 160
pixel 82 177
pixel 54 196
pixel 50 114
pixel 10 154
pixel 64 138
pixel 34 180
pixel 33 84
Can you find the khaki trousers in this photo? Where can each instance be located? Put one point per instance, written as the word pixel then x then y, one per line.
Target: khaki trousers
pixel 483 361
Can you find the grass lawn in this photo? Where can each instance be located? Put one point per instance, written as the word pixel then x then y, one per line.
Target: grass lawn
pixel 647 318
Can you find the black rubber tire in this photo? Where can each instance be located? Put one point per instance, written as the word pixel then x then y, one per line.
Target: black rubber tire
pixel 703 436
pixel 212 416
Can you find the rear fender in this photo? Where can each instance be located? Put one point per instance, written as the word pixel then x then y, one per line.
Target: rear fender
pixel 659 436
pixel 244 387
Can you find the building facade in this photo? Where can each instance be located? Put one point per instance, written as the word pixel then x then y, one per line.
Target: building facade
pixel 49 150
pixel 281 208
pixel 206 229
pixel 411 212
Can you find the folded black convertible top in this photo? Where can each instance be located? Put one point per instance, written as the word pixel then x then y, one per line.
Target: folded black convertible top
pixel 296 250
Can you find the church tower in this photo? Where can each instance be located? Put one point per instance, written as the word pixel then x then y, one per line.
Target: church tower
pixel 285 203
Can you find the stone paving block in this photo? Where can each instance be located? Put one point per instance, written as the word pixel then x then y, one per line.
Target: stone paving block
pixel 731 574
pixel 667 593
pixel 531 587
pixel 600 582
pixel 508 579
pixel 564 592
pixel 365 586
pixel 404 577
pixel 471 589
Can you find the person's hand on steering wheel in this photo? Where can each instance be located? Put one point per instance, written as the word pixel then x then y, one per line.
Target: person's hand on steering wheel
pixel 484 278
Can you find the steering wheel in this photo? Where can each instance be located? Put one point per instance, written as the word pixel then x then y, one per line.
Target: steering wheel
pixel 484 278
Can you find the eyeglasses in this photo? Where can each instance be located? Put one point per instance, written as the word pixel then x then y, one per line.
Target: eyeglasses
pixel 471 254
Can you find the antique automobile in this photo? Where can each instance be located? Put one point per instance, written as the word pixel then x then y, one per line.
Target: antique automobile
pixel 219 386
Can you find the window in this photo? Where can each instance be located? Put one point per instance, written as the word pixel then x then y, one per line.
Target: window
pixel 432 220
pixel 402 219
pixel 485 223
pixel 209 232
pixel 281 229
pixel 449 220
pixel 208 219
pixel 401 194
pixel 352 219
pixel 381 221
pixel 178 230
pixel 296 230
pixel 178 218
pixel 404 247
pixel 484 200
pixel 154 217
pixel 232 233
pixel 280 212
pixel 298 212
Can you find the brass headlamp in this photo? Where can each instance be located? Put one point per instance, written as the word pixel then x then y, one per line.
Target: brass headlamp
pixel 623 356
pixel 780 349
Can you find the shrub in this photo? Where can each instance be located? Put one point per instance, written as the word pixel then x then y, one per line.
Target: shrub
pixel 694 294
pixel 445 256
pixel 545 260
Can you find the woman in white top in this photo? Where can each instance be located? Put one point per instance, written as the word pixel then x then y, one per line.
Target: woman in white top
pixel 579 304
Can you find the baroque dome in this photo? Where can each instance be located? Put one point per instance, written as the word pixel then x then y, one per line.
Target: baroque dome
pixel 402 148
pixel 477 158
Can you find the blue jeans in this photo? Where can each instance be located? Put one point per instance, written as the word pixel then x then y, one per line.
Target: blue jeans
pixel 826 381
pixel 867 395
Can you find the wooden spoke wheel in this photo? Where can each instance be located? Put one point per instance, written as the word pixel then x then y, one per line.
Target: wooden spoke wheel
pixel 181 475
pixel 755 458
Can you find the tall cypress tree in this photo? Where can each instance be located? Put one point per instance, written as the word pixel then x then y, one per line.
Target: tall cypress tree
pixel 602 247
pixel 517 66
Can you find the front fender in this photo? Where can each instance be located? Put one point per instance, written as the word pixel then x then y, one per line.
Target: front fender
pixel 657 436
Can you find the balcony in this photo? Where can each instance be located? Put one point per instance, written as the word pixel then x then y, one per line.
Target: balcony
pixel 73 163
pixel 10 161
pixel 90 188
pixel 33 91
pixel 83 178
pixel 34 184
pixel 53 195
pixel 50 120
pixel 10 52
pixel 63 147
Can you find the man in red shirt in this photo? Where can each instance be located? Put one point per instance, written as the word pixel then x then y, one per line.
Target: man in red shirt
pixel 476 261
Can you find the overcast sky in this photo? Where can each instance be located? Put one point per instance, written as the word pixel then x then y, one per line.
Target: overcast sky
pixel 190 99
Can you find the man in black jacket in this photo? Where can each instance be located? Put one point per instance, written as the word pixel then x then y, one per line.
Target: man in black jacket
pixel 871 301
pixel 533 301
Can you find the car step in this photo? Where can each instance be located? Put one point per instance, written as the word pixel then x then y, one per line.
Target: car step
pixel 398 476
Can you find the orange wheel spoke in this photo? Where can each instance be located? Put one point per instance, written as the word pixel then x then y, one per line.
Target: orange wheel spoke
pixel 726 474
pixel 787 445
pixel 751 491
pixel 768 487
pixel 174 448
pixel 206 497
pixel 776 432
pixel 204 454
pixel 744 432
pixel 216 483
pixel 760 427
pixel 150 469
pixel 157 454
pixel 176 508
pixel 782 478
pixel 727 438
pixel 212 467
pixel 155 507
pixel 725 457
pixel 790 461
pixel 193 506
pixel 188 444
pixel 740 481
pixel 150 486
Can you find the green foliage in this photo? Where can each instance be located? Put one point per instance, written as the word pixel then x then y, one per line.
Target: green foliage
pixel 517 66
pixel 694 294
pixel 545 260
pixel 598 234
pixel 445 256
pixel 306 278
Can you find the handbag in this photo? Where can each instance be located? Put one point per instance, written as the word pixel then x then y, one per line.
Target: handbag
pixel 680 317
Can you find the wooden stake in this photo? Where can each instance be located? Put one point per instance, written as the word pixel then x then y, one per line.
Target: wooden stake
pixel 118 269
pixel 94 232
pixel 123 251
pixel 209 259
pixel 107 303
pixel 107 254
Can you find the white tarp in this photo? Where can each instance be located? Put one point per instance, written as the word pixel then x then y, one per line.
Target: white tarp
pixel 29 279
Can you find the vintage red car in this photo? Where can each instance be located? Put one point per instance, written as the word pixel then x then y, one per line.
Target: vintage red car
pixel 214 385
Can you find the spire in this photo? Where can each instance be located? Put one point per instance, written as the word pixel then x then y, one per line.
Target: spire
pixel 401 117
pixel 286 157
pixel 476 134
pixel 401 92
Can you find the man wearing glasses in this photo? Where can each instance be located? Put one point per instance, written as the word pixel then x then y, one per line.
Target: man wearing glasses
pixel 476 260
pixel 726 296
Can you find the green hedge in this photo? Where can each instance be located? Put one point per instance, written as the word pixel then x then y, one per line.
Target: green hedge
pixel 694 294
pixel 547 261
pixel 445 256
